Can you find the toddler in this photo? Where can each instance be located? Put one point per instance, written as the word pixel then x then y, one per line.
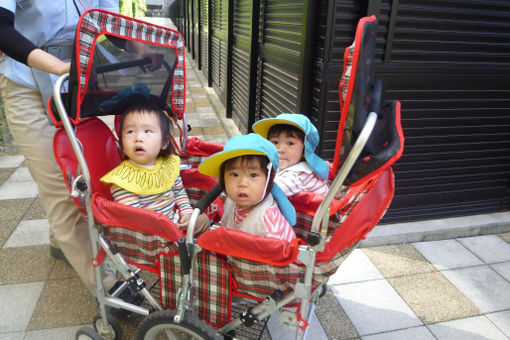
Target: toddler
pixel 149 177
pixel 296 139
pixel 246 168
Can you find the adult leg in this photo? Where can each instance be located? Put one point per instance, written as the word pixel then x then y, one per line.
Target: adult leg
pixel 33 134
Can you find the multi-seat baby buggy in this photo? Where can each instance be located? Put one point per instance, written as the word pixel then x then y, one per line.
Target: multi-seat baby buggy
pixel 225 282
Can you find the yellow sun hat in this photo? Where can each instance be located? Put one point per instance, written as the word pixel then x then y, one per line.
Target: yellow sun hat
pixel 244 145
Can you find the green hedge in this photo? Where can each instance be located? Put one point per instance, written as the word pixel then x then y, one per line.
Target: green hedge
pixel 133 8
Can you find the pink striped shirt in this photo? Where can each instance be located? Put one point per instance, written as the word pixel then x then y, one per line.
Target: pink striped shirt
pixel 265 219
pixel 300 177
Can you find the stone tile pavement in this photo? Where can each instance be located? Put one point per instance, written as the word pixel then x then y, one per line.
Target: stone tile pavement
pixel 456 288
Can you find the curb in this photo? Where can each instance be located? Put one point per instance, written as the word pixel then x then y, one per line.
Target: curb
pixel 441 229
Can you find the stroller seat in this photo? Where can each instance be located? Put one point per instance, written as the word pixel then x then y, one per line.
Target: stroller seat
pixel 139 234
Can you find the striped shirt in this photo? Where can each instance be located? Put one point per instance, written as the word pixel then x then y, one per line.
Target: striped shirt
pixel 164 203
pixel 300 177
pixel 265 219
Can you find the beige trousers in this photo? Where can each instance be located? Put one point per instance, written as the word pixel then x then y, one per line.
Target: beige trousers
pixel 33 134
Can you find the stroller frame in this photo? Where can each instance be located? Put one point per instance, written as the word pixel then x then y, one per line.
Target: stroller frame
pixel 306 254
pixel 305 292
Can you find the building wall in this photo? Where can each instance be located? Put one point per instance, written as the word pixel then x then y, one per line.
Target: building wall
pixel 446 61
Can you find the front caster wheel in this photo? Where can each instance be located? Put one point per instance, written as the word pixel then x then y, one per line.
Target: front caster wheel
pixel 110 332
pixel 87 333
pixel 161 325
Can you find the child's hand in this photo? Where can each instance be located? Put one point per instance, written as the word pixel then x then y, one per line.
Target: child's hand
pixel 183 222
pixel 202 224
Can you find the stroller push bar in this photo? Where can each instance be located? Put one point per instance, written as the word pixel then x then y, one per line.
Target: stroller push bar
pixel 82 164
pixel 322 216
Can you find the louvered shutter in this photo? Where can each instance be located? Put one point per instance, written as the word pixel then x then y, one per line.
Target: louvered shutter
pixel 279 62
pixel 242 69
pixel 219 48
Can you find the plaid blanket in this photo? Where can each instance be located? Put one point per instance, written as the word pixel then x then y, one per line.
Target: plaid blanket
pixel 211 286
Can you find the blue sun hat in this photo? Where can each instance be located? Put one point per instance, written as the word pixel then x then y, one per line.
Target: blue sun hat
pixel 250 144
pixel 319 166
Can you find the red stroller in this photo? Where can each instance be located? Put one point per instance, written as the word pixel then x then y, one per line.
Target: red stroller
pixel 225 282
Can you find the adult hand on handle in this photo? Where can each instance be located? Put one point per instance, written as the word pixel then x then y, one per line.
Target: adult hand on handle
pixel 143 51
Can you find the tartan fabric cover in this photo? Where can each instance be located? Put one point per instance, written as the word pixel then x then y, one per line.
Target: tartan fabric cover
pixel 212 288
pixel 304 220
pixel 260 280
pixel 349 90
pixel 346 76
pixel 95 22
pixel 343 86
pixel 139 247
pixel 197 185
pixel 211 285
pixel 170 278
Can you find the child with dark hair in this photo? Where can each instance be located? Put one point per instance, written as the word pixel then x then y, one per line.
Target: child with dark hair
pixel 149 177
pixel 296 139
pixel 246 168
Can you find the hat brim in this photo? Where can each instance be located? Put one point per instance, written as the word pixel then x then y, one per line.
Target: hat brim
pixel 212 164
pixel 262 126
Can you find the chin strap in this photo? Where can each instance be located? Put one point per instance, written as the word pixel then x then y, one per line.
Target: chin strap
pixel 269 166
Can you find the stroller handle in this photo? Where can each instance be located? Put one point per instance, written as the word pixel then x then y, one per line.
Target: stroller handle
pixel 57 98
pixel 82 163
pixel 207 199
pixel 122 65
pixel 200 207
pixel 322 214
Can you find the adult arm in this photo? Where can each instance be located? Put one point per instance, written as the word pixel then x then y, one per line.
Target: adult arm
pixel 16 46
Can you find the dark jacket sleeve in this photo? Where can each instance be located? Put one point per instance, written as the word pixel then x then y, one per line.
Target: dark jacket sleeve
pixel 13 43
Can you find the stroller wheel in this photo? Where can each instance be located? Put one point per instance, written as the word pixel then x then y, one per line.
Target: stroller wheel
pixel 87 333
pixel 110 332
pixel 161 325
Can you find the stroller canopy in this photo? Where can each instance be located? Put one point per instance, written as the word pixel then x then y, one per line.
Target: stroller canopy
pixel 115 56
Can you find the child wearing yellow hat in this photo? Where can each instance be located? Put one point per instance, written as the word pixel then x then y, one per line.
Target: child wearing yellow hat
pixel 246 168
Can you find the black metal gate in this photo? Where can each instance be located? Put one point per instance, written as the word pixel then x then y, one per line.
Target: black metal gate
pixel 447 62
pixel 220 53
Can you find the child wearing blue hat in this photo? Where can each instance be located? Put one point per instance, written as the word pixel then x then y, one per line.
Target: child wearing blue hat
pixel 296 139
pixel 246 168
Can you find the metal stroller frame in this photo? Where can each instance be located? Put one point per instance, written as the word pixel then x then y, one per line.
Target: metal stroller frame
pixel 305 292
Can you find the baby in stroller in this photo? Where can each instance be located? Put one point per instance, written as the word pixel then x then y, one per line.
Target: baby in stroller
pixel 296 139
pixel 246 168
pixel 149 175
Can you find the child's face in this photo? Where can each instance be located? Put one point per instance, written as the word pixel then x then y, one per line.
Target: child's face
pixel 245 182
pixel 290 149
pixel 141 137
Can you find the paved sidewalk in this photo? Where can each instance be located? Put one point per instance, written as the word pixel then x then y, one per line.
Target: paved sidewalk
pixel 443 289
